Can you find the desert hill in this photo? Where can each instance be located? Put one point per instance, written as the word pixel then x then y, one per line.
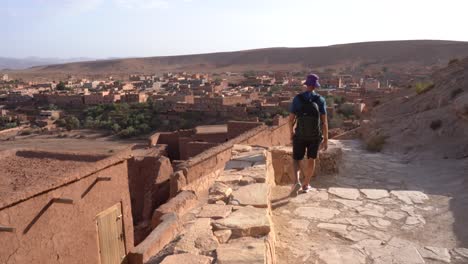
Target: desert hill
pixel 401 54
pixel 431 123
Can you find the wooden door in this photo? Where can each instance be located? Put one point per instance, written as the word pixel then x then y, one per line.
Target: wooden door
pixel 111 235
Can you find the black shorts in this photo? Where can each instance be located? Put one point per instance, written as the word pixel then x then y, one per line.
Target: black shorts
pixel 300 146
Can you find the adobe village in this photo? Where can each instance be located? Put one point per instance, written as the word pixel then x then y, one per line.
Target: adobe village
pixel 391 188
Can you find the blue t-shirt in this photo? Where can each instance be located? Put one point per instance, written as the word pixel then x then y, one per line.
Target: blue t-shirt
pixel 319 100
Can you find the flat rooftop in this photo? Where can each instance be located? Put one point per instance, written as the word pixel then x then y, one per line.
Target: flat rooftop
pixel 26 172
pixel 213 129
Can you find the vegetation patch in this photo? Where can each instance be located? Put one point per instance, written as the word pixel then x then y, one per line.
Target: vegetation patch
pixel 453 61
pixel 422 87
pixel 376 143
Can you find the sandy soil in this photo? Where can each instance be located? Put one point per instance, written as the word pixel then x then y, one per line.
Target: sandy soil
pixel 85 141
pixel 20 172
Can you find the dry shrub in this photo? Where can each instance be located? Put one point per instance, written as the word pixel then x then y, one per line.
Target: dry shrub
pixel 423 87
pixel 436 124
pixel 456 92
pixel 376 143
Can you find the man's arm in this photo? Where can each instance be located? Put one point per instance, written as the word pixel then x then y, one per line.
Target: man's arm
pixel 292 121
pixel 324 122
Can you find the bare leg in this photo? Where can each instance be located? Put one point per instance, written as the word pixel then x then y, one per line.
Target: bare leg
pixel 297 185
pixel 297 170
pixel 309 172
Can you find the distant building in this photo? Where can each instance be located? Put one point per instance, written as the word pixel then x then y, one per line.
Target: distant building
pixel 5 77
pixel 370 84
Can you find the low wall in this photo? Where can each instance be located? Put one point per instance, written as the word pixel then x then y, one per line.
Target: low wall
pixel 214 159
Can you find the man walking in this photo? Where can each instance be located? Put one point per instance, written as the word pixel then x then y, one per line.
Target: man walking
pixel 308 113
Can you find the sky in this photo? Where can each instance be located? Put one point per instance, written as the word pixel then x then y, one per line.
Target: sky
pixel 142 28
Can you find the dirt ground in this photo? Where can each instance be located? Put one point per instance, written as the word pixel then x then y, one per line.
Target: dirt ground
pixel 378 209
pixel 85 141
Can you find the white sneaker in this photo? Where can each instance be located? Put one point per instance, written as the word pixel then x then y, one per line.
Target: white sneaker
pixel 306 188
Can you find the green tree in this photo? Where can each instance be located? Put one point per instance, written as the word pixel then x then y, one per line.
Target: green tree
pixel 61 86
pixel 71 122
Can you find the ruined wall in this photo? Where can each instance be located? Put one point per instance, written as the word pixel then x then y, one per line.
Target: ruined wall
pixel 194 148
pixel 236 128
pixel 172 140
pixel 65 233
pixel 148 182
pixel 211 137
pixel 198 173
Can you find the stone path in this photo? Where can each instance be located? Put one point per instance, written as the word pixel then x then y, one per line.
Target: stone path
pixel 378 209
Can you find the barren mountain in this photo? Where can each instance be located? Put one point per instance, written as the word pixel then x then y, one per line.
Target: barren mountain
pixel 431 123
pixel 401 54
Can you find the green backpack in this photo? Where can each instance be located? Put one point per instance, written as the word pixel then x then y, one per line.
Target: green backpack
pixel 308 125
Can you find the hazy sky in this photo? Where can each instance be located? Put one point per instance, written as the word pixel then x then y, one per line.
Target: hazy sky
pixel 123 28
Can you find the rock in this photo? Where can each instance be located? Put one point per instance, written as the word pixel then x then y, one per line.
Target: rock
pixel 356 236
pixel 212 199
pixel 247 250
pixel 246 180
pixel 256 195
pixel 181 204
pixel 335 254
pixel 187 259
pixel 396 251
pixel 348 203
pixel 222 235
pixel 220 202
pixel 197 239
pixel 335 228
pixel 355 221
pixel 410 197
pixel 215 211
pixel 258 157
pixel 237 165
pixel 462 252
pixel 219 188
pixel 375 194
pixel 395 215
pixel 247 221
pixel 259 173
pixel 299 224
pixel 380 223
pixel 374 233
pixel 229 178
pixel 435 253
pixel 318 213
pixel 241 148
pixel 415 220
pixel 345 193
pixel 371 210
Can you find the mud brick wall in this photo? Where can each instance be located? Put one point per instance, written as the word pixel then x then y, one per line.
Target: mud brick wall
pixel 149 185
pixel 195 148
pixel 236 128
pixel 63 232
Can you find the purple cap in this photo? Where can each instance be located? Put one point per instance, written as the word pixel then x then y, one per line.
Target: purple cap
pixel 312 80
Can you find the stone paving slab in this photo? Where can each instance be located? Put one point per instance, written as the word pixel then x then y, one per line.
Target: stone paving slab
pixel 243 251
pixel 256 195
pixel 246 221
pixel 345 193
pixel 187 259
pixel 215 211
pixel 198 239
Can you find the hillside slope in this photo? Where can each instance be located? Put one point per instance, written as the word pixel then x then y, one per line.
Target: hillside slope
pixel 433 123
pixel 398 53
